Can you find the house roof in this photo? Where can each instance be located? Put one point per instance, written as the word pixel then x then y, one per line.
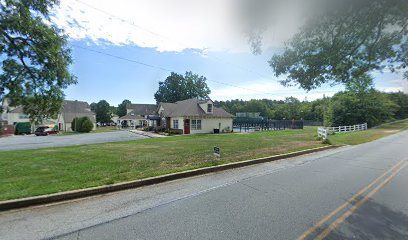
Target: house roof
pixel 72 109
pixel 131 116
pixel 142 109
pixel 191 108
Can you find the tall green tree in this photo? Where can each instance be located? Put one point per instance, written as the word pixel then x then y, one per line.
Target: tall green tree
pixel 401 100
pixel 341 41
pixel 103 113
pixel 177 87
pixel 34 58
pixel 121 110
pixel 93 106
pixel 350 108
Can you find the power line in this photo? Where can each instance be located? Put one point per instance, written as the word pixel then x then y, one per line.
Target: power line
pixel 122 58
pixel 165 37
pixel 164 69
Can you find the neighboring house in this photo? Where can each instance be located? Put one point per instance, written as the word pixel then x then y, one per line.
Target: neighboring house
pixel 115 118
pixel 69 111
pixel 17 115
pixel 139 115
pixel 13 115
pixel 195 116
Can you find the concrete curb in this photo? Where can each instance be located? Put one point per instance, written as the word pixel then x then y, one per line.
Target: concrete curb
pixel 64 196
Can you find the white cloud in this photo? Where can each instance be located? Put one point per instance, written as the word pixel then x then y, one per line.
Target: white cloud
pixel 165 25
pixel 176 25
pixel 396 85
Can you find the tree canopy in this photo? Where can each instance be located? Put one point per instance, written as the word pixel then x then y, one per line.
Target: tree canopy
pixel 344 108
pixel 34 58
pixel 177 87
pixel 342 41
pixel 103 112
pixel 121 110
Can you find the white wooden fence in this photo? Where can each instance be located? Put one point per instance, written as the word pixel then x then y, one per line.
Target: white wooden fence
pixel 322 132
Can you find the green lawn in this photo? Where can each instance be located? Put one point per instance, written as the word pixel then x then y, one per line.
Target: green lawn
pixel 97 130
pixel 35 172
pixel 369 135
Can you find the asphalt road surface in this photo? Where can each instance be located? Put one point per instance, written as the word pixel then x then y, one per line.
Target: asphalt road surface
pixel 32 141
pixel 358 192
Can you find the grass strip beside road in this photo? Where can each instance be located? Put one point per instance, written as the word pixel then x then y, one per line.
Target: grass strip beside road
pixel 367 136
pixel 36 172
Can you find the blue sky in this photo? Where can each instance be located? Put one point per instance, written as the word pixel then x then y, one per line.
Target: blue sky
pixel 210 46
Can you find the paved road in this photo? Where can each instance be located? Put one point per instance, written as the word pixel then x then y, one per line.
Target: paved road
pixel 32 141
pixel 279 200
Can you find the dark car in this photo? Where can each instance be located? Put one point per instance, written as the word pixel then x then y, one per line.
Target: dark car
pixel 44 131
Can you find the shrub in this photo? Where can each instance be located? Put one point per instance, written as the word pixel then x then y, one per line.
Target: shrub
pixel 173 131
pixel 148 129
pixel 76 124
pixel 22 128
pixel 82 124
pixel 86 125
pixel 157 130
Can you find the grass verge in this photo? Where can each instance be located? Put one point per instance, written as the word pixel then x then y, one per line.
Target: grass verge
pixel 367 136
pixel 42 171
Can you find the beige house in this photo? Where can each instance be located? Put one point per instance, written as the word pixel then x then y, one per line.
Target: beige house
pixel 195 116
pixel 69 111
pixel 13 115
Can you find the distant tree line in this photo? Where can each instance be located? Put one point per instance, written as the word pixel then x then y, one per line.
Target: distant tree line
pixel 344 108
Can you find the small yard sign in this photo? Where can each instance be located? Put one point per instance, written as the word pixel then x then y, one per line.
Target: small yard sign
pixel 217 152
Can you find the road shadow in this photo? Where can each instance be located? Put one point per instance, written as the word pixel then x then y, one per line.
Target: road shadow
pixel 373 221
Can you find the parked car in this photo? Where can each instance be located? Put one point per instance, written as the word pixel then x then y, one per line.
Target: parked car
pixel 45 131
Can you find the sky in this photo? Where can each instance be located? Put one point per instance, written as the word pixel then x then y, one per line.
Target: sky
pixel 122 49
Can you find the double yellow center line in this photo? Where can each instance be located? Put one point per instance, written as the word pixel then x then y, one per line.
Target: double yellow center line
pixel 381 181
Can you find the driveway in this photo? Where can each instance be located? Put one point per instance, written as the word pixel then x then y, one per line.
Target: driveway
pixel 33 142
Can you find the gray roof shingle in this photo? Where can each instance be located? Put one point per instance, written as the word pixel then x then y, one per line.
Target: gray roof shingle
pixel 72 109
pixel 142 109
pixel 191 108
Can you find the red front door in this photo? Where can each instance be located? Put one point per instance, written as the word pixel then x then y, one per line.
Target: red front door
pixel 186 126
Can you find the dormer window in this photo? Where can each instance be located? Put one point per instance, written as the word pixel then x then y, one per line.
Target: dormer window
pixel 209 108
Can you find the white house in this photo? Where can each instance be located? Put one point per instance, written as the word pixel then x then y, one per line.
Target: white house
pixel 138 115
pixel 195 116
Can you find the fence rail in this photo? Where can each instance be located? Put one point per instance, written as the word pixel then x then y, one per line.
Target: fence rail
pixel 322 132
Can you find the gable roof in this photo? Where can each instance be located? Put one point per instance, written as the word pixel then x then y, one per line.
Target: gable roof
pixel 72 109
pixel 142 109
pixel 191 108
pixel 131 116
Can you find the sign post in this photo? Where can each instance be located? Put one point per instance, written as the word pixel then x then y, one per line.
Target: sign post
pixel 217 152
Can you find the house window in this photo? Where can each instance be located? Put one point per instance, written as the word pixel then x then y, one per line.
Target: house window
pixel 209 108
pixel 175 124
pixel 196 124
